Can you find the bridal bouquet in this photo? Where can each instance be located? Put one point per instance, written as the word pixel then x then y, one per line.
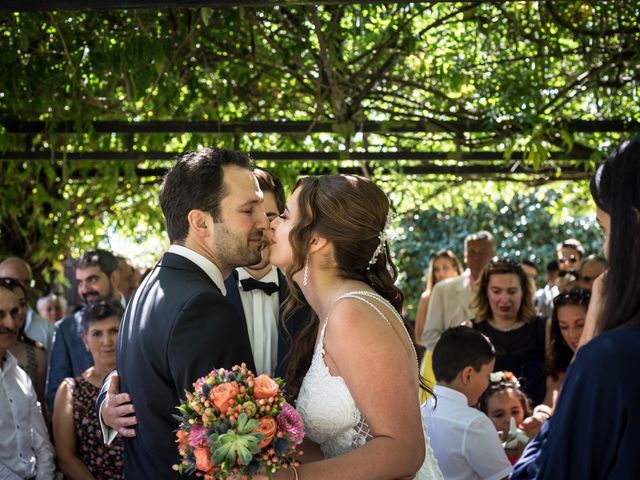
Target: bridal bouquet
pixel 235 424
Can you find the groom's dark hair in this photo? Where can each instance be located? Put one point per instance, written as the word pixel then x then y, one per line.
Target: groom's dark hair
pixel 196 182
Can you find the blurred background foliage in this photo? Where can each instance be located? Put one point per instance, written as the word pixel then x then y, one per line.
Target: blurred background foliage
pixel 522 69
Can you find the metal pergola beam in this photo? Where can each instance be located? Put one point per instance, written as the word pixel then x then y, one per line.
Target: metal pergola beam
pixel 51 5
pixel 308 127
pixel 479 170
pixel 288 156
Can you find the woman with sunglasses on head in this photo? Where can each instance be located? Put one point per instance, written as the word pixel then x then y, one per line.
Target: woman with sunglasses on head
pixel 595 430
pixel 567 324
pixel 505 312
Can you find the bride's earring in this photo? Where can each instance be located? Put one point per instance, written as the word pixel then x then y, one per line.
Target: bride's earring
pixel 305 277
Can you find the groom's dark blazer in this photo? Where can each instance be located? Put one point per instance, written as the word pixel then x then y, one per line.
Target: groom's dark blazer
pixel 177 328
pixel 287 327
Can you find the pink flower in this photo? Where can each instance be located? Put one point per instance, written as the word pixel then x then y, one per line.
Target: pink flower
pixel 198 436
pixel 290 423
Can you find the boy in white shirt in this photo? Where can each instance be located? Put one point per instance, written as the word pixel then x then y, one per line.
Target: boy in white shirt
pixel 463 439
pixel 26 451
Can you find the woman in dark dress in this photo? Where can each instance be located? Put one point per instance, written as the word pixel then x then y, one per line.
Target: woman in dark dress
pixel 594 432
pixel 78 439
pixel 506 314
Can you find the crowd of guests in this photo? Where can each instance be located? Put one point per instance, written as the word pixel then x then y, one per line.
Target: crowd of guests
pixel 506 357
pixel 506 362
pixel 53 368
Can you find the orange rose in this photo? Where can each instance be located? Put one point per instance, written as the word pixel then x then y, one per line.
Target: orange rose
pixel 267 426
pixel 203 459
pixel 265 387
pixel 221 394
pixel 183 440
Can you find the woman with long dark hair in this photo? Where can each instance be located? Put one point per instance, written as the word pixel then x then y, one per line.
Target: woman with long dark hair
pixel 567 324
pixel 594 432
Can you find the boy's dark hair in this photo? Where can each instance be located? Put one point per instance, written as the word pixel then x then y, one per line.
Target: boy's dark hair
pixel 460 347
pixel 552 266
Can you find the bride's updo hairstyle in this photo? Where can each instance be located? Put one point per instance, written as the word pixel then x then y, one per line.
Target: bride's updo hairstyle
pixel 351 212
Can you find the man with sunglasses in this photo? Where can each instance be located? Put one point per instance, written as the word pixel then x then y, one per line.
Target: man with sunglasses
pixel 35 327
pixel 570 253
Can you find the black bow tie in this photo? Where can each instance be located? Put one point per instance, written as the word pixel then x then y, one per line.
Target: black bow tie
pixel 249 284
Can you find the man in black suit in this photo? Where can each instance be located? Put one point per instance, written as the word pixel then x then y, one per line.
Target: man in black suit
pixel 179 325
pixel 259 292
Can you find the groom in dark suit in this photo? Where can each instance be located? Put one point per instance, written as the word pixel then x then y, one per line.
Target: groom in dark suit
pixel 179 324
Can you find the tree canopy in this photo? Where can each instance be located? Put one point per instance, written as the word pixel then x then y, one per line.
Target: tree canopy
pixel 520 73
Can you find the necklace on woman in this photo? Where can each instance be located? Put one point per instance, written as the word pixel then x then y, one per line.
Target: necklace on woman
pixel 502 328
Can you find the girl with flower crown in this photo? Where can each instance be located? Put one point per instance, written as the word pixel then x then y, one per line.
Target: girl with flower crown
pixel 355 366
pixel 502 401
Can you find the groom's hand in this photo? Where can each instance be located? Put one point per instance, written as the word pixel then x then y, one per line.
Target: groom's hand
pixel 117 410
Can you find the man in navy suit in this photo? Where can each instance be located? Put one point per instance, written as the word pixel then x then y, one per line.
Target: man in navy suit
pixel 259 292
pixel 179 325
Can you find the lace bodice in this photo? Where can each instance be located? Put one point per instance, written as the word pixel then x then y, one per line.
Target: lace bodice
pixel 331 416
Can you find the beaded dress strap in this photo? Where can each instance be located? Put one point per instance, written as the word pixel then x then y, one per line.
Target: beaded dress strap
pixel 359 294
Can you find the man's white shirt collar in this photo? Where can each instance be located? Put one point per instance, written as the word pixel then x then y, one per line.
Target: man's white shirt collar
pixel 9 362
pixel 272 276
pixel 204 263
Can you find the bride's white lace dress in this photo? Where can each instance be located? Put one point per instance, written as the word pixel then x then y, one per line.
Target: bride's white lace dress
pixel 331 417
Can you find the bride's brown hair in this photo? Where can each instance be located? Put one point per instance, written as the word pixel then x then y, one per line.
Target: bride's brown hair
pixel 351 212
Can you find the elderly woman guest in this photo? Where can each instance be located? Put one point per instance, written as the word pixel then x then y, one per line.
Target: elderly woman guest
pixel 52 307
pixel 31 355
pixel 505 313
pixel 76 431
pixel 595 430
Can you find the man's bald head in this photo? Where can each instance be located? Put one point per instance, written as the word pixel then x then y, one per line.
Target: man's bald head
pixel 18 269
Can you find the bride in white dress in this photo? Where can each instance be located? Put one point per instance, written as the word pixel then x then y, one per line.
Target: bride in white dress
pixel 359 397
